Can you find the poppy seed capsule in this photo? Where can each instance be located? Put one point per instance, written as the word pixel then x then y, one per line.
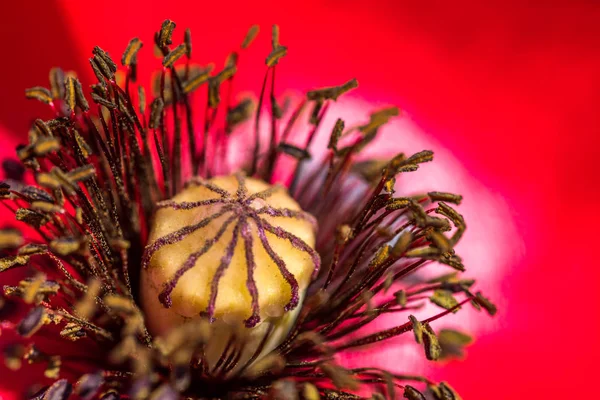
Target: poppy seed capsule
pixel 234 250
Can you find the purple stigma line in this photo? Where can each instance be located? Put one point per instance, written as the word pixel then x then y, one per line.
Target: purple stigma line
pixel 225 261
pixel 196 181
pixel 295 241
pixel 287 213
pixel 165 295
pixel 287 275
pixel 188 205
pixel 178 236
pixel 250 267
pixel 242 192
pixel 264 194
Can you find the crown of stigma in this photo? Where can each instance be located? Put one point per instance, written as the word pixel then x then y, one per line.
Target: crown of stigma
pixel 221 233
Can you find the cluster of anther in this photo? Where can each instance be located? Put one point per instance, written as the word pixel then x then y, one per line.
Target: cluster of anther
pixel 247 212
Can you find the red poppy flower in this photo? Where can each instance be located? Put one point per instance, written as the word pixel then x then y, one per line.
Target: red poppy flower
pixel 478 81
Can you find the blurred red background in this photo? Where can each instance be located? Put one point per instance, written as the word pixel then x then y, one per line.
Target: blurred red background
pixel 511 89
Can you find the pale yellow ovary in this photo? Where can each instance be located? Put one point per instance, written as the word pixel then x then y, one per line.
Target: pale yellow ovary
pixel 233 303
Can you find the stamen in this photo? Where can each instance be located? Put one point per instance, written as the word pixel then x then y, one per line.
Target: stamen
pixel 250 36
pixel 174 55
pixel 165 34
pixel 130 54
